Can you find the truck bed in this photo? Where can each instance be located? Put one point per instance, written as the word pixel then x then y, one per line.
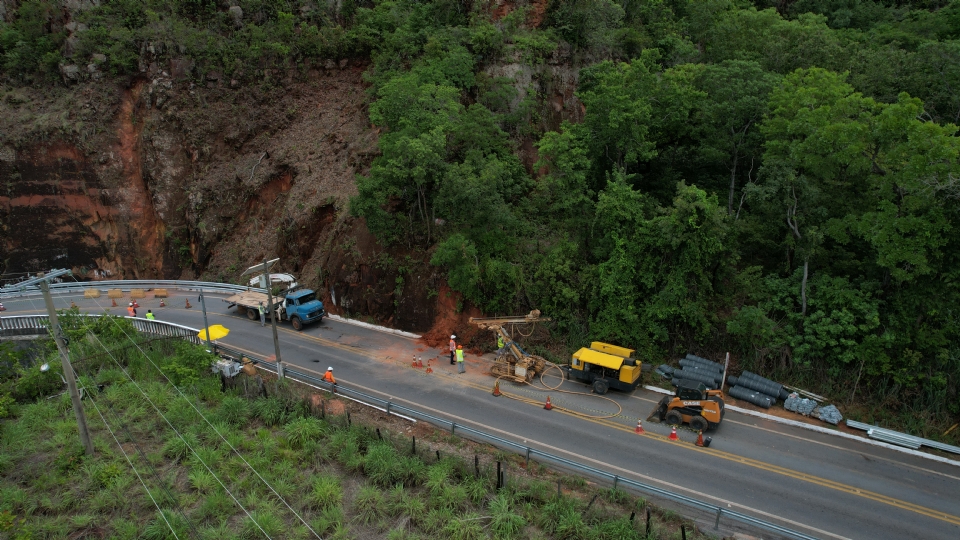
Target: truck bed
pixel 248 299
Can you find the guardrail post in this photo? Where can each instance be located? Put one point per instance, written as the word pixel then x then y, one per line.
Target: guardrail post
pixel 716 525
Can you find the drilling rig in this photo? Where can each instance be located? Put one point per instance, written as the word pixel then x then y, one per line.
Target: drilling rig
pixel 514 363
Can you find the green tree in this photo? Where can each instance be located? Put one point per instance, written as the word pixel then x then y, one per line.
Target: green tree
pixel 736 101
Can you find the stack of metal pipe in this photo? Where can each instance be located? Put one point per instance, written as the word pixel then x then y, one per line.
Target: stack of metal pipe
pixel 755 389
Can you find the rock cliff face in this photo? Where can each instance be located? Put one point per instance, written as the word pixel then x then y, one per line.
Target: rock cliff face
pixel 168 176
pixel 161 177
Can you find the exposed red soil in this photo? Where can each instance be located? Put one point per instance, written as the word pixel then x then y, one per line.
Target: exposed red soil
pixel 449 321
pixel 146 226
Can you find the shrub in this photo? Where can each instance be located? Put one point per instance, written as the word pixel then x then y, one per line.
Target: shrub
pixel 326 492
pixel 260 522
pixel 272 411
pixel 383 466
pixel 234 410
pixel 505 523
pixel 202 481
pixel 466 528
pixel 400 502
pixel 303 430
pixel 177 448
pixel 329 520
pixel 369 505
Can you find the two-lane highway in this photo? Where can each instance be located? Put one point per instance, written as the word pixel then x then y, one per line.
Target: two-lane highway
pixel 825 486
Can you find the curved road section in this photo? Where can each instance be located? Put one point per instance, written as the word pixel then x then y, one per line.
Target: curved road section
pixel 824 486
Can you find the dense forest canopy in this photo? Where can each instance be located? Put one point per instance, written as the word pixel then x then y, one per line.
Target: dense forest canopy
pixel 776 179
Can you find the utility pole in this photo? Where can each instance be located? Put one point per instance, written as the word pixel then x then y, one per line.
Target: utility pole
pixel 264 270
pixel 68 373
pixel 206 327
pixel 273 320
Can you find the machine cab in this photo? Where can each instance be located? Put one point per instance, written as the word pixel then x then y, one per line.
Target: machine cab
pixel 691 390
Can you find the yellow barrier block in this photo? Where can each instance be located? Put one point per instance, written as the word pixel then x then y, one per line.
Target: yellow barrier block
pixel 91 293
pixel 114 293
pixel 160 293
pixel 137 293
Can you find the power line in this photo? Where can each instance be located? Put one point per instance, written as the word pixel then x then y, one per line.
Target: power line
pixel 235 451
pixel 124 452
pixel 182 438
pixel 136 445
pixel 143 455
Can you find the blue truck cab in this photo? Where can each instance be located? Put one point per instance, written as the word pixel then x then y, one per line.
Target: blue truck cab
pixel 302 307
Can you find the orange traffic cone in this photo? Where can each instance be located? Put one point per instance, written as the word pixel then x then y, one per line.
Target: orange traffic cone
pixel 700 438
pixel 548 406
pixel 639 429
pixel 114 302
pixel 673 434
pixel 188 303
pixel 496 388
pixel 162 304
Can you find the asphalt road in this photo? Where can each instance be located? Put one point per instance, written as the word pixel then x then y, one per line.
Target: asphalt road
pixel 825 486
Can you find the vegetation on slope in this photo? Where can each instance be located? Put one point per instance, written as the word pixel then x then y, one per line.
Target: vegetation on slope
pixel 774 179
pixel 224 465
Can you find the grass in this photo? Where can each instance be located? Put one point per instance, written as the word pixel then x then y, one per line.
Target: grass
pixel 344 481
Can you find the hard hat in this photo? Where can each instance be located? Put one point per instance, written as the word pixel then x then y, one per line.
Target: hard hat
pixel 329 369
pixel 453 337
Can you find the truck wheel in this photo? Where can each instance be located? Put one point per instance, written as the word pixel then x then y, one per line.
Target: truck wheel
pixel 673 418
pixel 699 423
pixel 296 323
pixel 601 386
pixel 251 314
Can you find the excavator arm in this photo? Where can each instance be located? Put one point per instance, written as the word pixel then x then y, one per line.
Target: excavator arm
pixel 522 366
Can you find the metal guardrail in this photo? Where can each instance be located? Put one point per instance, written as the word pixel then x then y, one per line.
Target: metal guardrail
pixel 617 481
pixel 901 439
pixel 40 322
pixel 127 284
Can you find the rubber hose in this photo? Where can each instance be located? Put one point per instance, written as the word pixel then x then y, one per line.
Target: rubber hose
pixel 756 398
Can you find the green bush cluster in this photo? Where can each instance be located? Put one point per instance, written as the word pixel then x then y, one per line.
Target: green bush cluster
pixel 780 185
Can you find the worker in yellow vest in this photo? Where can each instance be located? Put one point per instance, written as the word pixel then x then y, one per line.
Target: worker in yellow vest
pixel 460 367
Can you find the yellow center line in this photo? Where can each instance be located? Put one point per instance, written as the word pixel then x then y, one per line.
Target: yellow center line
pixel 838 486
